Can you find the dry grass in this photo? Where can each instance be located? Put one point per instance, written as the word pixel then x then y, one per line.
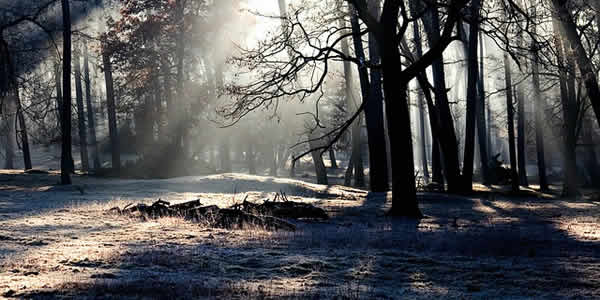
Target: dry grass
pixel 485 246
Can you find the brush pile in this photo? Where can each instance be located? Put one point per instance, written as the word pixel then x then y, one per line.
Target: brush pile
pixel 269 215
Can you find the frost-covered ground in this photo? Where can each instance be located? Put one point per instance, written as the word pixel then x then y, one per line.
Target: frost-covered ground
pixel 59 242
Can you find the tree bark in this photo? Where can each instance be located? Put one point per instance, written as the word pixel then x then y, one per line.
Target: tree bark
pixel 332 158
pixel 583 60
pixel 24 136
pixel 539 121
pixel 317 157
pixel 421 108
pixel 112 115
pixel 372 92
pixel 471 98
pixel 90 109
pixel 66 162
pixel 569 107
pixel 10 113
pixel 352 105
pixel 447 134
pixel 404 200
pixel 481 120
pixel 80 111
pixel 511 124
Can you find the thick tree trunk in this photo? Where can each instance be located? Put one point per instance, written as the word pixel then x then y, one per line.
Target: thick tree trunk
pixel 447 135
pixel 404 198
pixel 586 68
pixel 511 124
pixel 112 115
pixel 90 109
pixel 66 158
pixel 471 99
pixel 80 111
pixel 372 92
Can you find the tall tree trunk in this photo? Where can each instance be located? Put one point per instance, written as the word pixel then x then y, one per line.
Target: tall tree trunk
pixel 521 134
pixel 66 162
pixel 511 124
pixel 112 115
pixel 569 107
pixel 80 111
pixel 90 108
pixel 481 120
pixel 539 122
pixel 586 68
pixel 352 105
pixel 434 116
pixel 179 53
pixel 447 135
pixel 423 144
pixel 372 92
pixel 404 198
pixel 522 159
pixel 421 107
pixel 471 98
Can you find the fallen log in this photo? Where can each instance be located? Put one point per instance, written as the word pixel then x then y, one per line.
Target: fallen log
pixel 228 218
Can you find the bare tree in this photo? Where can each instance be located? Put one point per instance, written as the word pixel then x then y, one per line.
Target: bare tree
pixel 66 158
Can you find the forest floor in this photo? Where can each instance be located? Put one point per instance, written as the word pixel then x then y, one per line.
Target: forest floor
pixel 59 242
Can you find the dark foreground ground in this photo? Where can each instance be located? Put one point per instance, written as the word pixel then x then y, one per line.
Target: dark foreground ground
pixel 58 242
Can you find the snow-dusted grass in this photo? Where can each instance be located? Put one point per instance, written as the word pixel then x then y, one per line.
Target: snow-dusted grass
pixel 60 242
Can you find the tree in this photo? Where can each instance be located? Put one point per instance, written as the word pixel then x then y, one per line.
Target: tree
pixel 447 135
pixel 112 115
pixel 90 108
pixel 570 112
pixel 583 61
pixel 471 97
pixel 352 105
pixel 66 162
pixel 511 124
pixel 80 110
pixel 482 133
pixel 539 122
